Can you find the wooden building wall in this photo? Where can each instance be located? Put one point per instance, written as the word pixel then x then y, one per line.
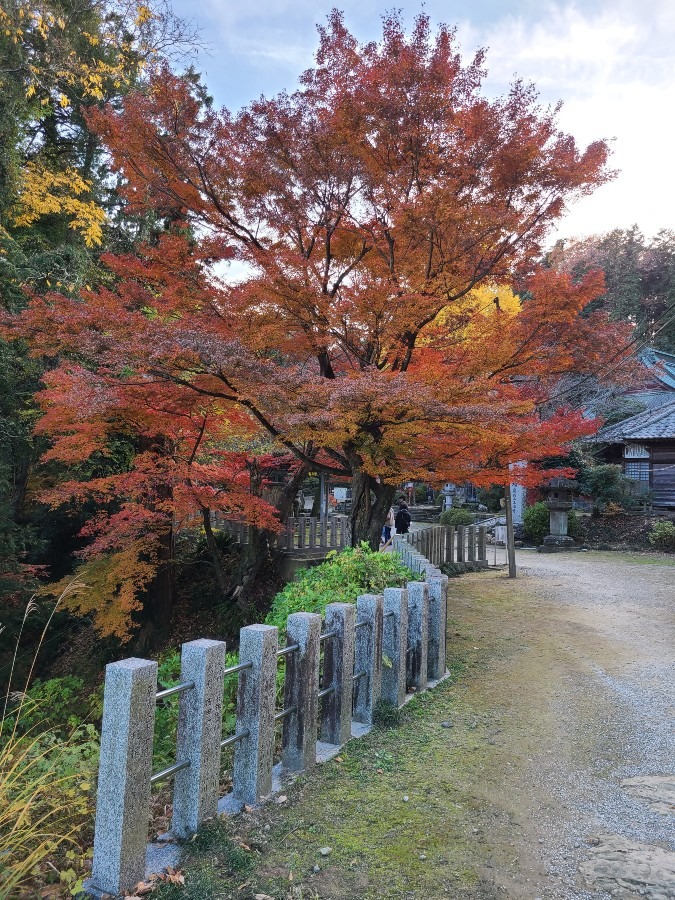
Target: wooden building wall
pixel 663 474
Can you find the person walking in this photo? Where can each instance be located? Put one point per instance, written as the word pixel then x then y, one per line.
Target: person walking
pixel 402 519
pixel 388 525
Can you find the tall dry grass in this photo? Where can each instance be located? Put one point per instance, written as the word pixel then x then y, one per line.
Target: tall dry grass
pixel 42 794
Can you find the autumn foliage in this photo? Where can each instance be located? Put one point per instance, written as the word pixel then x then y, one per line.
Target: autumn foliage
pixel 392 321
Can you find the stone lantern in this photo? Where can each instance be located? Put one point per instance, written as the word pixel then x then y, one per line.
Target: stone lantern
pixel 558 496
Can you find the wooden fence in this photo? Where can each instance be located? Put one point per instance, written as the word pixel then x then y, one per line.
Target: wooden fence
pixel 443 544
pixel 300 533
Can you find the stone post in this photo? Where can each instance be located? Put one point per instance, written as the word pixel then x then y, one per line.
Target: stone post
pixel 395 645
pixel 200 723
pixel 418 634
pixel 125 768
pixel 338 669
pixel 482 544
pixel 438 613
pixel 368 656
pixel 461 554
pixel 450 544
pixel 300 690
pixel 471 543
pixel 256 698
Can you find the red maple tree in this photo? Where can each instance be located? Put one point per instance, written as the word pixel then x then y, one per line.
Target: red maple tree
pixel 371 210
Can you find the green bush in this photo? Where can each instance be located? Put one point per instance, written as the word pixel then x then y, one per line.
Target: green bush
pixel 606 484
pixel 457 517
pixel 574 528
pixel 340 579
pixel 57 705
pixel 536 522
pixel 662 536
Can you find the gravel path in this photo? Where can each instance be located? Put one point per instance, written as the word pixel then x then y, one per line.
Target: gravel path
pixel 580 794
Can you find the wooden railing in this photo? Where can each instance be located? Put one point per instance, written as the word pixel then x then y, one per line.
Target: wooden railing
pixel 300 533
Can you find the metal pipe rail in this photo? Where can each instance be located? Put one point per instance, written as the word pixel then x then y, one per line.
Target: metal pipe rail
pixel 238 668
pixel 285 712
pixel 362 624
pixel 325 692
pixel 170 770
pixel 233 738
pixel 286 651
pixel 327 636
pixel 176 689
pixel 359 675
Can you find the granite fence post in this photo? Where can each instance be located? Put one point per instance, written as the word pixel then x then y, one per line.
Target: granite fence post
pixel 125 768
pixel 471 543
pixel 200 722
pixel 301 686
pixel 450 544
pixel 338 669
pixel 438 611
pixel 482 544
pixel 368 656
pixel 256 697
pixel 395 645
pixel 461 552
pixel 418 635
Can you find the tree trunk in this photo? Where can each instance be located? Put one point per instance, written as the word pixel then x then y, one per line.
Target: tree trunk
pixel 256 553
pixel 214 552
pixel 155 617
pixel 367 516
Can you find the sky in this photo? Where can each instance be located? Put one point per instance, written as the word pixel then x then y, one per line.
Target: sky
pixel 611 63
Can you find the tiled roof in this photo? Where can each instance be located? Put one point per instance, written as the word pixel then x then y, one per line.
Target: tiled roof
pixel 662 365
pixel 652 399
pixel 652 424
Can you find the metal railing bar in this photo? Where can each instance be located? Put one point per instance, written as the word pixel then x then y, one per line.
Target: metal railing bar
pixel 327 635
pixel 359 675
pixel 362 624
pixel 286 651
pixel 325 692
pixel 176 689
pixel 238 668
pixel 170 770
pixel 390 613
pixel 285 712
pixel 234 738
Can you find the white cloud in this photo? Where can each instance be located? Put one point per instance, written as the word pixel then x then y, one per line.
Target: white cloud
pixel 612 62
pixel 614 68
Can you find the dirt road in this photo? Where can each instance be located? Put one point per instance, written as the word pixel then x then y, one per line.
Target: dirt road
pixel 580 694
pixel 543 768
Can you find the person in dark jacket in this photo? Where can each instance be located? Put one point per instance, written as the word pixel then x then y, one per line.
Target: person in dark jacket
pixel 402 519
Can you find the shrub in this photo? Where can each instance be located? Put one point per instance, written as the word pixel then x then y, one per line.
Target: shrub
pixel 574 526
pixel 662 536
pixel 457 517
pixel 536 522
pixel 607 485
pixel 340 579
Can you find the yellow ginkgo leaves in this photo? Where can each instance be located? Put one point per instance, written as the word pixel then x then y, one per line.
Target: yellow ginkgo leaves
pixel 45 193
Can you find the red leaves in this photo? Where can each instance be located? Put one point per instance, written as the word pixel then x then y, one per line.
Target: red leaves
pixel 366 207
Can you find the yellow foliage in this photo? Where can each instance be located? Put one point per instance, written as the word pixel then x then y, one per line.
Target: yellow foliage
pixel 463 317
pixel 45 193
pixel 482 299
pixel 114 586
pixel 124 49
